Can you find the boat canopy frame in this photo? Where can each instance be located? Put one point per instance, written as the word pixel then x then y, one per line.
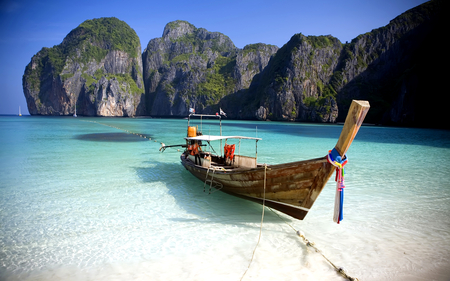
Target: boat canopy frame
pixel 208 116
pixel 215 138
pixel 209 138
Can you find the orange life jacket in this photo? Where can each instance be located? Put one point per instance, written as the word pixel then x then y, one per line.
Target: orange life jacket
pixel 193 148
pixel 229 151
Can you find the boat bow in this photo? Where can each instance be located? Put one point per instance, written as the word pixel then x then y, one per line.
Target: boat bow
pixel 355 117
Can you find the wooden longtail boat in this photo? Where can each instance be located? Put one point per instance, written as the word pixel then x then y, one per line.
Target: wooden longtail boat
pixel 291 188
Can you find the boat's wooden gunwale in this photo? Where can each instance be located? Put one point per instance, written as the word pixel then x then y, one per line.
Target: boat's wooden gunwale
pixel 254 190
pixel 260 167
pixel 289 182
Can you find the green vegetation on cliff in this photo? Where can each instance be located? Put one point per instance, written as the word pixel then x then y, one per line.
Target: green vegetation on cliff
pixel 91 40
pixel 102 34
pixel 196 65
pixel 319 41
pixel 58 76
pixel 219 82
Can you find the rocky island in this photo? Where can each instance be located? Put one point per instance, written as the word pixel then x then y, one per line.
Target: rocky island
pixel 97 69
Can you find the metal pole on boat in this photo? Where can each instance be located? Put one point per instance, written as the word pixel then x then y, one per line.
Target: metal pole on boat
pixel 189 119
pixel 239 151
pixel 256 154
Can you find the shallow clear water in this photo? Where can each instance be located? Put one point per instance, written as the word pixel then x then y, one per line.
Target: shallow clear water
pixel 87 199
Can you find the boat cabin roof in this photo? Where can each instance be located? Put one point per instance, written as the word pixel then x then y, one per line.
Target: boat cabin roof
pixel 214 138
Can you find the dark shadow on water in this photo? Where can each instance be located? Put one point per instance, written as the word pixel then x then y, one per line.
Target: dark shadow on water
pixel 112 137
pixel 188 193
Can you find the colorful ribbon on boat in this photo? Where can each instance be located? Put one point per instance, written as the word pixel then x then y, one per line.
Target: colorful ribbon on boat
pixel 335 159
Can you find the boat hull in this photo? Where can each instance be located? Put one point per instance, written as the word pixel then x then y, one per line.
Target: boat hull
pixel 290 188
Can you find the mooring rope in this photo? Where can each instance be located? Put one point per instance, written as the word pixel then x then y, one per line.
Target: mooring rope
pixel 262 219
pixel 308 243
pixel 126 131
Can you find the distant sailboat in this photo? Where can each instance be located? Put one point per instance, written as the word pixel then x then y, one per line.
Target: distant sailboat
pixel 75 114
pixel 20 112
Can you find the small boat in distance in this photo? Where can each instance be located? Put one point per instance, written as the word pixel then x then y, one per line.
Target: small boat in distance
pixel 75 114
pixel 291 188
pixel 20 112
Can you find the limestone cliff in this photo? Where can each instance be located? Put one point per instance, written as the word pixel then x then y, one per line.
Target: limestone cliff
pixel 192 67
pixel 97 69
pixel 396 68
pixel 311 78
pixel 295 83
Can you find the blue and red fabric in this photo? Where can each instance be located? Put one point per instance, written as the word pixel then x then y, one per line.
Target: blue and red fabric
pixel 335 159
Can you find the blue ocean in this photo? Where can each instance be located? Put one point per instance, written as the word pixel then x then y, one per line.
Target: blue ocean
pixel 95 199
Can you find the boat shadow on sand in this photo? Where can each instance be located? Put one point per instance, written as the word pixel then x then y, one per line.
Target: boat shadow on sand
pixel 191 195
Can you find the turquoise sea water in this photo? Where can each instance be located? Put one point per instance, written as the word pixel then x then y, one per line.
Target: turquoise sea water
pixel 85 199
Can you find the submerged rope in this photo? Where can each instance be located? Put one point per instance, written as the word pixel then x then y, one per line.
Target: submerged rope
pixel 262 219
pixel 308 243
pixel 126 131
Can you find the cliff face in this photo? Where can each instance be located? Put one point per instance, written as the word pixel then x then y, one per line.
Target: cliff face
pixel 311 78
pixel 190 67
pixel 295 83
pixel 315 78
pixel 97 69
pixel 396 68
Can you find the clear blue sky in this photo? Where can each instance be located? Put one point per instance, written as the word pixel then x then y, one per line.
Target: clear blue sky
pixel 27 26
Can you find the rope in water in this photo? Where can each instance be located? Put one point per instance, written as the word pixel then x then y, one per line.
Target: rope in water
pixel 262 219
pixel 308 243
pixel 128 132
